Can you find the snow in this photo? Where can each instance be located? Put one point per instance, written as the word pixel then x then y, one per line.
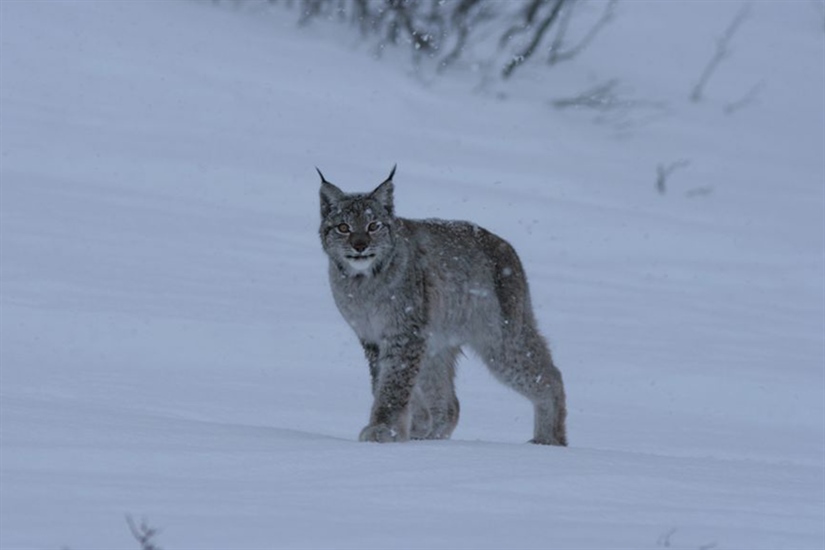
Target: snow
pixel 170 348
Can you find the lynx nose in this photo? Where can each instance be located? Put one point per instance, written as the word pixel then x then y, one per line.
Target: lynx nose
pixel 359 245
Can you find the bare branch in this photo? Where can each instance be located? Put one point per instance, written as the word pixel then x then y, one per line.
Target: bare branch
pixel 442 30
pixel 556 53
pixel 467 14
pixel 722 51
pixel 528 52
pixel 564 23
pixel 422 40
pixel 529 15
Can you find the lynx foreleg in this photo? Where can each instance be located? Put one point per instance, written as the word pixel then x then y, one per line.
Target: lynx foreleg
pixel 399 361
pixel 371 352
pixel 439 402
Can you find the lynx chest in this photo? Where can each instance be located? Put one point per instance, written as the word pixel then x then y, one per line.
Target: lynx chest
pixel 374 312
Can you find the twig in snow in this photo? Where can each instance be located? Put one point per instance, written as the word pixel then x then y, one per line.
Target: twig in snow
pixel 745 100
pixel 601 97
pixel 664 171
pixel 143 533
pixel 722 51
pixel 604 97
pixel 612 106
pixel 664 538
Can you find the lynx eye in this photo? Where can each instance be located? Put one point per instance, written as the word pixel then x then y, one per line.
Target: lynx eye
pixel 374 226
pixel 342 228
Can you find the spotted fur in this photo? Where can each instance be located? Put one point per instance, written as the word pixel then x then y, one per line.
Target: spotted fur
pixel 415 292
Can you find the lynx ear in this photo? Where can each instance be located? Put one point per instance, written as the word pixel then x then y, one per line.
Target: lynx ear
pixel 383 193
pixel 329 196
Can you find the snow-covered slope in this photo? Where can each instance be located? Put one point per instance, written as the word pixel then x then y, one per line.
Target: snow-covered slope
pixel 169 347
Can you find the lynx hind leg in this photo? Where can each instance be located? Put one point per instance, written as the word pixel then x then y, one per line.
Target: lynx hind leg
pixel 435 406
pixel 546 392
pixel 518 355
pixel 422 420
pixel 524 363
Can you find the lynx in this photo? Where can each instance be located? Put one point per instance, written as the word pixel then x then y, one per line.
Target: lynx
pixel 415 292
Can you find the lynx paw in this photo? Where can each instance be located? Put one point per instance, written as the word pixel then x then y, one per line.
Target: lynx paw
pixel 379 433
pixel 550 441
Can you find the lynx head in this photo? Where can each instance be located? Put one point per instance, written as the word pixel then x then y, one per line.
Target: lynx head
pixel 357 228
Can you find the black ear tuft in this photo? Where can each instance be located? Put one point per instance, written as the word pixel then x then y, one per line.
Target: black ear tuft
pixel 323 179
pixel 392 173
